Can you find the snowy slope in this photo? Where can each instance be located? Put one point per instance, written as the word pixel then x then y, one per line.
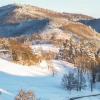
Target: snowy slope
pixel 19 20
pixel 38 79
pixel 27 27
pixel 45 47
pixel 37 70
pixel 14 77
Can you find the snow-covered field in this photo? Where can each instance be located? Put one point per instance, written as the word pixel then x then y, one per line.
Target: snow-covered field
pixel 14 77
pixel 38 78
pixel 50 27
pixel 45 47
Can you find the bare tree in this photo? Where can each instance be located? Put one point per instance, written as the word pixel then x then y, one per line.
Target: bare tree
pixel 70 82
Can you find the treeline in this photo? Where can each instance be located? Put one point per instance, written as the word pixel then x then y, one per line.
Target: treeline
pixel 22 53
pixel 85 55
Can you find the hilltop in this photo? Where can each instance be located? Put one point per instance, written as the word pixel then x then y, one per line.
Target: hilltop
pixel 18 20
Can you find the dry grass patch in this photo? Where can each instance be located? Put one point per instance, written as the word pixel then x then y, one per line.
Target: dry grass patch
pixel 80 30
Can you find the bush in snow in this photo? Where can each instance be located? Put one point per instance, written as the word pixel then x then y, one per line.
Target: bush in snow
pixel 70 82
pixel 25 95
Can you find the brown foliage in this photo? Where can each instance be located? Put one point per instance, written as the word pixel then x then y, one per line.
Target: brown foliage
pixel 22 53
pixel 80 30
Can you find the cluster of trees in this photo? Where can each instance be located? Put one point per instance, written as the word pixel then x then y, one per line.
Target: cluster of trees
pixel 22 53
pixel 84 56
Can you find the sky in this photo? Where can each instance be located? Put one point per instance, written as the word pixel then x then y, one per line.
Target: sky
pixel 88 7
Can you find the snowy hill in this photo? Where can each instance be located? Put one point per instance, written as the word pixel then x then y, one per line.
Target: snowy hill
pixel 27 27
pixel 17 20
pixel 46 87
pixel 39 79
pixel 36 46
pixel 38 70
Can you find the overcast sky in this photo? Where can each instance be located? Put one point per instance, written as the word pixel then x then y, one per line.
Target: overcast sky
pixel 88 7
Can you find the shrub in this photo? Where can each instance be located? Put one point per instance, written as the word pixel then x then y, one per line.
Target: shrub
pixel 71 82
pixel 25 95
